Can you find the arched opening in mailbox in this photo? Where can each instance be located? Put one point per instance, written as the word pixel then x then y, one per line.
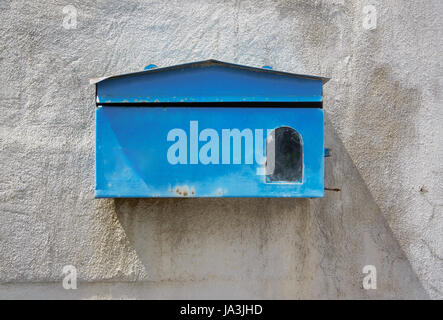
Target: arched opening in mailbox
pixel 284 156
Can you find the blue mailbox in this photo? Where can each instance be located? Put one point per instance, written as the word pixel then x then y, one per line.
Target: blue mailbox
pixel 209 129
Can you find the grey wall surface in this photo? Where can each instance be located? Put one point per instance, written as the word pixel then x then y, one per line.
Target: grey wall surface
pixel 384 124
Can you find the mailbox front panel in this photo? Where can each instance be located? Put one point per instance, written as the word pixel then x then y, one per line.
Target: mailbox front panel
pixel 208 152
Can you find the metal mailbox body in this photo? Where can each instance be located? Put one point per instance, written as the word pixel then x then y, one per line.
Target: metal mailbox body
pixel 145 119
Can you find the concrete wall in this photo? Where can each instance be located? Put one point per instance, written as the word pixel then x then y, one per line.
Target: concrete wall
pixel 383 119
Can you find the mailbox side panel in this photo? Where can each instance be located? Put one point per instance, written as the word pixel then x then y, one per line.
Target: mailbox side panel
pixel 132 149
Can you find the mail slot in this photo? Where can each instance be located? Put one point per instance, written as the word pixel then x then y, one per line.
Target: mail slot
pixel 209 129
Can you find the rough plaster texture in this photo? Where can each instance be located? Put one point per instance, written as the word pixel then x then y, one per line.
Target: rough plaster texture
pixel 384 119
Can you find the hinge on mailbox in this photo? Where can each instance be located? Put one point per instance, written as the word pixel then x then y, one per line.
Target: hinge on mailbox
pixel 327 152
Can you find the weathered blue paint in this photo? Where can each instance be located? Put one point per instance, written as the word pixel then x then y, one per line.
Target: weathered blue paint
pixel 209 81
pixel 131 152
pixel 136 111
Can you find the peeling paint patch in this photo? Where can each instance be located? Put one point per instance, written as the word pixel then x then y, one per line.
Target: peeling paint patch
pixel 184 191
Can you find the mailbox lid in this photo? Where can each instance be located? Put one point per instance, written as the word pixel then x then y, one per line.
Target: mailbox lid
pixel 209 81
pixel 132 152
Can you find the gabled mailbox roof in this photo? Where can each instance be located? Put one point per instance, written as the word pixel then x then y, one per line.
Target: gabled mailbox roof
pixel 208 81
